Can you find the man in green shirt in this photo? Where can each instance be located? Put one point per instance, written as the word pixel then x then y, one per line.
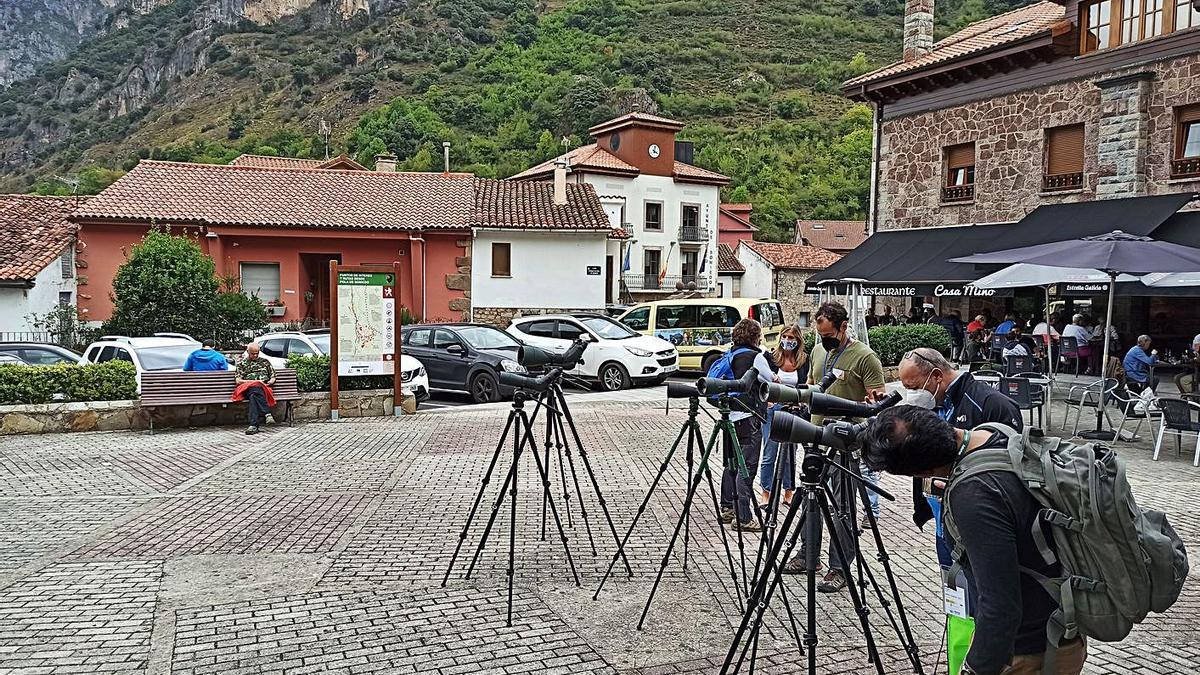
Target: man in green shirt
pixel 255 369
pixel 859 378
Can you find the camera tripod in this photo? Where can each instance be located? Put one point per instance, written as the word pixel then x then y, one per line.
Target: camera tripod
pixel 520 425
pixel 816 501
pixel 697 472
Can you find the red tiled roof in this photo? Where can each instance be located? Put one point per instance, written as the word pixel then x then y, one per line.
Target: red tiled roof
pixel 1004 29
pixel 634 118
pixel 585 158
pixel 832 235
pixel 530 205
pixel 34 231
pixel 793 256
pixel 727 261
pixel 692 173
pixel 268 161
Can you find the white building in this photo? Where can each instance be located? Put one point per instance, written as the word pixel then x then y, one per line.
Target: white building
pixel 649 188
pixel 37 261
pixel 539 247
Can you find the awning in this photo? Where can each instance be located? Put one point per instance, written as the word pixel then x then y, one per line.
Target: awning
pixel 913 262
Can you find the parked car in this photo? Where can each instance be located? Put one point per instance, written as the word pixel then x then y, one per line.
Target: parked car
pixel 617 357
pixel 276 347
pixel 11 360
pixel 39 353
pixel 164 351
pixel 465 357
pixel 702 328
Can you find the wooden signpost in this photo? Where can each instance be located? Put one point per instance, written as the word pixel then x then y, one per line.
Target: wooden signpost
pixel 364 328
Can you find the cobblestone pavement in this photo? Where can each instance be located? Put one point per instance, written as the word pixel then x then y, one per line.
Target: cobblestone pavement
pixel 322 548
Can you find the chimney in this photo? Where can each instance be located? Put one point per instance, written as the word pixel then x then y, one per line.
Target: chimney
pixel 446 156
pixel 385 162
pixel 918 28
pixel 560 182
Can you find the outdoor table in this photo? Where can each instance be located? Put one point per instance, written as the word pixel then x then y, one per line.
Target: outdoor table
pixel 1182 366
pixel 1044 382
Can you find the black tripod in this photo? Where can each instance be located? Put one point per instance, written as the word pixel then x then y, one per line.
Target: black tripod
pixel 520 425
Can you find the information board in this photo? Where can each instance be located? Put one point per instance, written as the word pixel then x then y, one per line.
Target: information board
pixel 366 323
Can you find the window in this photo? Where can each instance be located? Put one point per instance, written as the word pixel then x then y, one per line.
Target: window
pixel 651 261
pixel 275 348
pixel 539 329
pixel 1097 26
pixel 444 339
pixel 1110 23
pixel 299 347
pixel 769 314
pixel 1063 163
pixel 653 219
pixel 960 173
pixel 420 337
pixel 486 337
pixel 1186 163
pixel 677 316
pixel 690 221
pixel 39 357
pixel 64 298
pixel 607 328
pixel 501 260
pixel 638 319
pixel 68 262
pixel 719 316
pixel 1187 15
pixel 691 263
pixel 568 330
pixel 261 280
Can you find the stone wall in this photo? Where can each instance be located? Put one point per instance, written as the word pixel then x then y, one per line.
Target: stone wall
pixel 130 416
pixel 789 290
pixel 1129 142
pixel 502 316
pixel 461 280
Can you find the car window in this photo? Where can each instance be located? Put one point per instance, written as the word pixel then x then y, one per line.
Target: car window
pixel 420 337
pixel 321 342
pixel 122 354
pixel 486 337
pixel 42 357
pixel 300 347
pixel 166 358
pixel 768 314
pixel 607 328
pixel 569 330
pixel 274 348
pixel 638 319
pixel 718 316
pixel 106 354
pixel 443 338
pixel 676 316
pixel 539 329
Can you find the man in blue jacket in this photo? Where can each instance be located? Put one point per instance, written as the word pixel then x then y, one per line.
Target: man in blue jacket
pixel 1138 361
pixel 205 358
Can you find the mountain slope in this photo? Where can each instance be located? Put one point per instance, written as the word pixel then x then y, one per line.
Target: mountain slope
pixel 503 80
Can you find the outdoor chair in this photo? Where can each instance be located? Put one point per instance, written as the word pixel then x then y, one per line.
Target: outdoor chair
pixel 1019 364
pixel 1069 350
pixel 989 372
pixel 1021 391
pixel 996 347
pixel 1127 402
pixel 1177 420
pixel 1080 397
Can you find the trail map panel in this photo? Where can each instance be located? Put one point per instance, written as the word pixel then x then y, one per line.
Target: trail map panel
pixel 366 319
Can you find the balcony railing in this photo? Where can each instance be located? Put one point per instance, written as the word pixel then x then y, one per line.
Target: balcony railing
pixel 1185 168
pixel 669 284
pixel 958 193
pixel 693 234
pixel 1052 182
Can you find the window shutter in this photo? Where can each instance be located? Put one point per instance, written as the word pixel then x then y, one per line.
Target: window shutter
pixel 261 280
pixel 1189 113
pixel 501 260
pixel 959 156
pixel 1064 150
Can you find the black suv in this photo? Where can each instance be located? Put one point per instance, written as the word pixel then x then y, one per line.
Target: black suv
pixel 464 357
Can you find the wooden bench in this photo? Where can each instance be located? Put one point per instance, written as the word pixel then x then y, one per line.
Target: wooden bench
pixel 173 388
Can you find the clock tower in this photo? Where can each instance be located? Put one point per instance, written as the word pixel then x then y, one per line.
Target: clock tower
pixel 645 141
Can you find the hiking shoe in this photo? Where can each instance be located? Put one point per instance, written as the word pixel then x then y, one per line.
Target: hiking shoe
pixel 269 419
pixel 833 582
pixel 749 526
pixel 251 430
pixel 797 566
pixel 866 523
pixel 727 515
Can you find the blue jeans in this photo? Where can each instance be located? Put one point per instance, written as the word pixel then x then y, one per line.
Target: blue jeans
pixel 872 476
pixel 766 469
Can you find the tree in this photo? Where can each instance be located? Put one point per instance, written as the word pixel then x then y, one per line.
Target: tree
pixel 166 285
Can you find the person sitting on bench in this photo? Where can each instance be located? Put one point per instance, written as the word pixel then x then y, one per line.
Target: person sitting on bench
pixel 254 379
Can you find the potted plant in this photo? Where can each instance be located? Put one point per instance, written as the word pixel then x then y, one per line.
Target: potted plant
pixel 275 307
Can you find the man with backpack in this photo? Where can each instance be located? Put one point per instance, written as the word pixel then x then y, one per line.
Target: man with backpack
pixel 1047 531
pixel 737 490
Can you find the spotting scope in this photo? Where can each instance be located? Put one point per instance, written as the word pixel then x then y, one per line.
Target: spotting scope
pixel 537 384
pixel 535 358
pixel 789 428
pixel 682 390
pixel 783 393
pixel 749 385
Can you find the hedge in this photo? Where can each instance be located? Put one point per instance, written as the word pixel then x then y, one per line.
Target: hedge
pixel 109 381
pixel 312 374
pixel 891 343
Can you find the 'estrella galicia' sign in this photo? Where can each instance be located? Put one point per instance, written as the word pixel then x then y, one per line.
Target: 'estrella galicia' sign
pixel 593 270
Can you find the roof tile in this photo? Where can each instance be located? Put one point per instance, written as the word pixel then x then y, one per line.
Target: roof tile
pixel 832 235
pixel 33 232
pixel 727 260
pixel 583 158
pixel 793 256
pixel 530 205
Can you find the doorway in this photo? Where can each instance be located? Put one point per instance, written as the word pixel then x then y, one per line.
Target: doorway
pixel 608 280
pixel 316 295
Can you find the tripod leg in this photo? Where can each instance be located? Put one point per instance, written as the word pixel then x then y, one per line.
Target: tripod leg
pixel 545 476
pixel 562 476
pixel 487 477
pixel 662 470
pixel 687 523
pixel 512 521
pixel 583 515
pixel 546 489
pixel 859 607
pixel 587 465
pixel 716 502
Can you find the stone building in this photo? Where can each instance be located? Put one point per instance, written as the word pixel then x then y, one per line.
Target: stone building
pixel 780 271
pixel 1044 104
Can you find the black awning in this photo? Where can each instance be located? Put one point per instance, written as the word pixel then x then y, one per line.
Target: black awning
pixel 914 261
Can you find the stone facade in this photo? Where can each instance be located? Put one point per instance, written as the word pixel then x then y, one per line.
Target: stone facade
pixel 918 28
pixel 500 317
pixel 1129 119
pixel 789 290
pixel 461 281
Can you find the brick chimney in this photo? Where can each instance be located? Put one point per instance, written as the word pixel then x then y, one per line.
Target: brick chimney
pixel 385 163
pixel 560 182
pixel 918 28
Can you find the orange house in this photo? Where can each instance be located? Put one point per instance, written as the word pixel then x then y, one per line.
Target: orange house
pixel 274 224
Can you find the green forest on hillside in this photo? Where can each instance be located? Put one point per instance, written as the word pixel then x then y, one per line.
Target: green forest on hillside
pixel 504 81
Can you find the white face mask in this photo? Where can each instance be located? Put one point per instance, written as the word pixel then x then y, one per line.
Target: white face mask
pixel 920 398
pixel 788 345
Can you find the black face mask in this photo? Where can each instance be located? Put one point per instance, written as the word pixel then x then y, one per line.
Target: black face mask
pixel 830 343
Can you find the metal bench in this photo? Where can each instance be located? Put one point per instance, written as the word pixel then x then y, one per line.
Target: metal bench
pixel 174 388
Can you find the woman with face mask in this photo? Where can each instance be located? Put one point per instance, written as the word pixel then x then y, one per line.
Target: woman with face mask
pixel 792 361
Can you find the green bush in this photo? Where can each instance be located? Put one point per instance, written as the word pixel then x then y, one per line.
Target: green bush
pixel 109 381
pixel 312 374
pixel 892 342
pixel 237 313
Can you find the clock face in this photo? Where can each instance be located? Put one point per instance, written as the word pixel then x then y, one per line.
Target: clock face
pixel 654 151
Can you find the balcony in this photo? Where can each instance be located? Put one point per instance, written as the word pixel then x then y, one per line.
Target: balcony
pixel 1186 168
pixel 958 193
pixel 650 283
pixel 693 234
pixel 1054 182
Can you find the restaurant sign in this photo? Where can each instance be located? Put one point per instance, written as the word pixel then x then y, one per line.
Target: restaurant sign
pixel 951 290
pixel 1080 289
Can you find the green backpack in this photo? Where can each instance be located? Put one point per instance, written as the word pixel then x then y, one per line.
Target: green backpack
pixel 1119 562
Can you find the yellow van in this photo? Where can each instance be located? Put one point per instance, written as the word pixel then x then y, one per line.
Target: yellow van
pixel 701 328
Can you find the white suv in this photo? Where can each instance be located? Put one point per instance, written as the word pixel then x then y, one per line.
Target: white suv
pixel 617 356
pixel 276 347
pixel 164 351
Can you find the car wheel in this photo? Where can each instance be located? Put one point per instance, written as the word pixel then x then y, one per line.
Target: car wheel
pixel 484 388
pixel 613 377
pixel 709 360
